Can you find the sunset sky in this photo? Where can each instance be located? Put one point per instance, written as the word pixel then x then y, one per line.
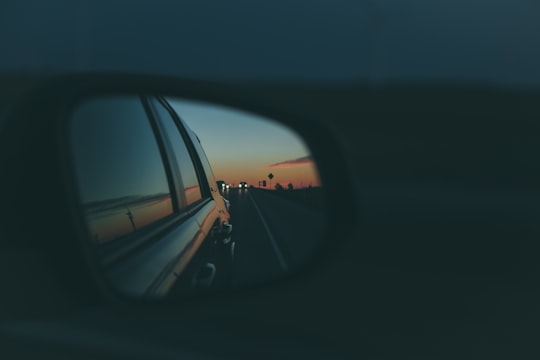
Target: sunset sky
pixel 246 147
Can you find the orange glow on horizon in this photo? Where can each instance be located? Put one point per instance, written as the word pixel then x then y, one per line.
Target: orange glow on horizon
pixel 300 175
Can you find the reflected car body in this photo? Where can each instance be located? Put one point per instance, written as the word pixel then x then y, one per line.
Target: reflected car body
pixel 207 263
pixel 227 203
pixel 187 246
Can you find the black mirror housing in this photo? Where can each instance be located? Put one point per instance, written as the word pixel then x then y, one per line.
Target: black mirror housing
pixel 42 157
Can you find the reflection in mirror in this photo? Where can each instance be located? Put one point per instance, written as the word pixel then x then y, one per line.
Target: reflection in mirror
pixel 122 180
pixel 180 196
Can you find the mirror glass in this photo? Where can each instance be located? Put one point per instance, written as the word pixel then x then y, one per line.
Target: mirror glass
pixel 177 196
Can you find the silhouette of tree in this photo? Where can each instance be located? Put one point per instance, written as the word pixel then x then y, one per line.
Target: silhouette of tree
pixel 279 187
pixel 290 186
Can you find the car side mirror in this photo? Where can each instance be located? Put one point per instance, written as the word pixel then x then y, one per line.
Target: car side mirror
pixel 177 196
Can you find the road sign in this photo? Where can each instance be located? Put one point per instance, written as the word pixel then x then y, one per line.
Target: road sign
pixel 270 176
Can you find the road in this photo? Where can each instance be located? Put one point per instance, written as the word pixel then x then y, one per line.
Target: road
pixel 272 235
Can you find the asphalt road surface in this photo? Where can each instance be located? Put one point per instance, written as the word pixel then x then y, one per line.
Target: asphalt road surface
pixel 272 235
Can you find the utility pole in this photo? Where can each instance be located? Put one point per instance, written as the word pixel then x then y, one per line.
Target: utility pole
pixel 130 216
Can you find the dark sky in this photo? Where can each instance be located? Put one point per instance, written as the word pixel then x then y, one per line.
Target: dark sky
pixel 491 41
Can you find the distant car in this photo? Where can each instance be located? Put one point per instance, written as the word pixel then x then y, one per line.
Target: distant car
pixel 243 185
pixel 222 186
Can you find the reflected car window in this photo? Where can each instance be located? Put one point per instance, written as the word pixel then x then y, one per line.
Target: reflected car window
pixel 119 169
pixel 190 183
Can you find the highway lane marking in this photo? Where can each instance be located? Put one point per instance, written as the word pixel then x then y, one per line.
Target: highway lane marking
pixel 277 250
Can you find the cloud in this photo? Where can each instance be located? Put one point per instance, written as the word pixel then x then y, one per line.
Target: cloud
pixel 295 162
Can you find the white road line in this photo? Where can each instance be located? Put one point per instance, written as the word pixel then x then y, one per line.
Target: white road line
pixel 275 246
